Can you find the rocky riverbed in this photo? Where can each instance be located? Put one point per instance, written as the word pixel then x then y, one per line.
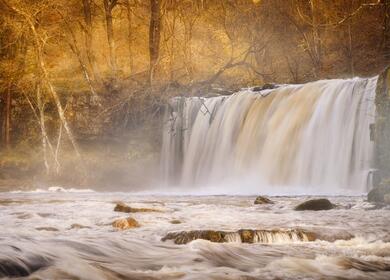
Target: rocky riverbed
pixel 71 234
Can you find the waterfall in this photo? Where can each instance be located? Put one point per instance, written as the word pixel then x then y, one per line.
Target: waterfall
pixel 313 137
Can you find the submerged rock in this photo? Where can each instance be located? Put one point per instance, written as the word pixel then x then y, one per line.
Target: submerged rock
pixel 47 228
pixel 315 205
pixel 125 223
pixel 175 222
pixel 78 226
pixel 243 236
pixel 121 207
pixel 263 200
pixel 22 266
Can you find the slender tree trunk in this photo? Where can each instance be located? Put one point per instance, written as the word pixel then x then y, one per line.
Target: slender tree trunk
pixel 2 118
pixel 188 26
pixel 43 128
pixel 108 6
pixel 386 30
pixel 130 34
pixel 154 36
pixel 7 115
pixel 89 39
pixel 350 49
pixel 317 44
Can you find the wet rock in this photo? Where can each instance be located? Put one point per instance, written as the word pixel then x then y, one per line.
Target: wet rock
pixel 247 236
pixel 22 267
pixel 263 200
pixel 315 205
pixel 121 207
pixel 265 86
pixel 175 222
pixel 386 198
pixel 125 223
pixel 47 228
pixel 243 235
pixel 378 194
pixel 78 226
pixel 185 237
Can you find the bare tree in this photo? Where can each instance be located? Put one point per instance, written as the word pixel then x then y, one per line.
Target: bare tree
pixel 39 43
pixel 130 36
pixel 89 38
pixel 109 5
pixel 154 37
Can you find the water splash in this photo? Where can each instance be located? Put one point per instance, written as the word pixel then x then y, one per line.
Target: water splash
pixel 313 137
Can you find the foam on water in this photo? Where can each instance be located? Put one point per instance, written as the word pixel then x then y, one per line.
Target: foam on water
pixel 97 251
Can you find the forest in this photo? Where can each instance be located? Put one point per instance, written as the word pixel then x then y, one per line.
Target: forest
pixel 83 83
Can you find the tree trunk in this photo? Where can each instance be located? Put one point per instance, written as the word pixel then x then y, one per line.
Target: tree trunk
pixel 89 39
pixel 386 30
pixel 154 36
pixel 108 6
pixel 130 35
pixel 317 44
pixel 43 129
pixel 7 117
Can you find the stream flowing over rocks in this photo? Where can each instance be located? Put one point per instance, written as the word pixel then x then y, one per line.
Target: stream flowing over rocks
pixel 238 239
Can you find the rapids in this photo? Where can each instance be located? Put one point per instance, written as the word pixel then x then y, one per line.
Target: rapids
pixel 295 139
pixel 97 251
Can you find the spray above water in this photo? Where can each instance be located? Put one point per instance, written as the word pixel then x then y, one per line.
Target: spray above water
pixel 311 138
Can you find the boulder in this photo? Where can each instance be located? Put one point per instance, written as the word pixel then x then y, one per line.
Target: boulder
pixel 121 207
pixel 263 200
pixel 315 205
pixel 378 194
pixel 125 223
pixel 387 198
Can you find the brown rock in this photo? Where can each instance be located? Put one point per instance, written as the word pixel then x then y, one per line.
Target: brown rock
pixel 263 200
pixel 243 235
pixel 315 205
pixel 121 207
pixel 125 223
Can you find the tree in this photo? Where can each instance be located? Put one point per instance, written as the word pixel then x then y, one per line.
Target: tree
pixel 109 5
pixel 154 37
pixel 89 38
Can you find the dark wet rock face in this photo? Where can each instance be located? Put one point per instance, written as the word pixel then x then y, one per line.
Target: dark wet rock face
pixel 379 194
pixel 21 267
pixel 264 87
pixel 263 200
pixel 121 207
pixel 243 235
pixel 315 205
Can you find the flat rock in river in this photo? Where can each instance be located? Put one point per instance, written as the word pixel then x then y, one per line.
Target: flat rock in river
pixel 121 207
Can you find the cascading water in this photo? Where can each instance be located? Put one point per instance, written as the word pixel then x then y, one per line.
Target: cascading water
pixel 311 138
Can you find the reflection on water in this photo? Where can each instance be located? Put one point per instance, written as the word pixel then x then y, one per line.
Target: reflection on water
pixel 38 234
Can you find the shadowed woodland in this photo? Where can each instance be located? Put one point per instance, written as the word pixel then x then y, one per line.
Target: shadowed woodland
pixel 83 82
